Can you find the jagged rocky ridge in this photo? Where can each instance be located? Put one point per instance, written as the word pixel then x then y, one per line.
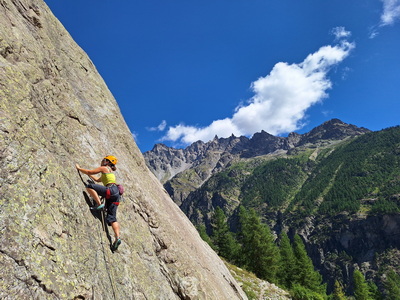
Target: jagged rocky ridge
pixel 55 111
pixel 184 170
pixel 363 170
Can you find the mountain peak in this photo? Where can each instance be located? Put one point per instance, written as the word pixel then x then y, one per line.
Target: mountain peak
pixel 214 155
pixel 333 129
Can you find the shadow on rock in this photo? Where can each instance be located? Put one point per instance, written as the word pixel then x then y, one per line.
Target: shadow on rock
pixel 100 215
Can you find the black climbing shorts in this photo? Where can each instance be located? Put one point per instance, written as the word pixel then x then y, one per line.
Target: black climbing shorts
pixel 112 203
pixel 100 189
pixel 111 213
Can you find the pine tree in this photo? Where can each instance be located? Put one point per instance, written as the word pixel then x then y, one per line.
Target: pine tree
pixel 374 292
pixel 259 251
pixel 361 289
pixel 203 234
pixel 338 293
pixel 300 292
pixel 305 274
pixel 287 261
pixel 222 238
pixel 392 285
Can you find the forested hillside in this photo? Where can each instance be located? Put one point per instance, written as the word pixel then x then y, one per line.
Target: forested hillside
pixel 341 199
pixel 363 176
pixel 184 170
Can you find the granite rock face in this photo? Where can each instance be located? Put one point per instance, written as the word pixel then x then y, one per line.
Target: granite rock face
pixel 55 111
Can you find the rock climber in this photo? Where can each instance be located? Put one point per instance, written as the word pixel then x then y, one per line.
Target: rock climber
pixel 108 190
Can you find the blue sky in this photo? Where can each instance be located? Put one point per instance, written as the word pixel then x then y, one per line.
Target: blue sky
pixel 185 70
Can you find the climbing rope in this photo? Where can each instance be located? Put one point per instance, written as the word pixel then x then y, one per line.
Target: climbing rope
pixel 108 270
pixel 102 215
pixel 84 183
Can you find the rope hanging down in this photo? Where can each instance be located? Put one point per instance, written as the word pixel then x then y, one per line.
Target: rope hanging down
pixel 111 277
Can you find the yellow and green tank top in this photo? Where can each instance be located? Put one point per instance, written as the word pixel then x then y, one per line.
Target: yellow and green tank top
pixel 107 178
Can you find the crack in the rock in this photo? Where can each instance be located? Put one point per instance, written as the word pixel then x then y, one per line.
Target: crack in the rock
pixel 42 285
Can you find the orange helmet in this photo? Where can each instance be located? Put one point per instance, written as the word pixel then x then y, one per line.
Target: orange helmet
pixel 112 159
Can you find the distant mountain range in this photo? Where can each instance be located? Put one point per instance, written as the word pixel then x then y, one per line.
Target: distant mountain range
pixel 337 186
pixel 184 170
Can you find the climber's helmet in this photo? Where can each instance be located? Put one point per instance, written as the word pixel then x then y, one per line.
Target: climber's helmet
pixel 111 159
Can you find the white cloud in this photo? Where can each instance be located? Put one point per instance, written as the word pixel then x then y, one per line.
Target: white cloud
pixel 160 127
pixel 373 33
pixel 391 12
pixel 280 99
pixel 340 32
pixel 190 134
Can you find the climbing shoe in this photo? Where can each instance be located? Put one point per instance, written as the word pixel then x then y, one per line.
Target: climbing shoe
pixel 116 244
pixel 101 206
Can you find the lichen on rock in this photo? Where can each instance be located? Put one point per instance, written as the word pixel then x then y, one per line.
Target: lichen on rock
pixel 55 111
